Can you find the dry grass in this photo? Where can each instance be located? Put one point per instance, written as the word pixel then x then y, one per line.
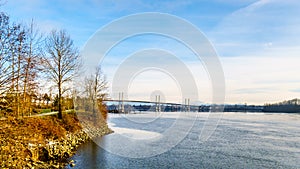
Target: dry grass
pixel 16 134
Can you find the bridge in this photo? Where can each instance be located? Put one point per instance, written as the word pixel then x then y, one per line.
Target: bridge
pixel 156 106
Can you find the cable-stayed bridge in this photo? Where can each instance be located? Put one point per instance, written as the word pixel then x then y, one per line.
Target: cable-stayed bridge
pixel 126 106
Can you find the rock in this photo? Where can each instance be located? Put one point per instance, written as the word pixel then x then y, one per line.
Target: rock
pixel 29 165
pixel 44 154
pixel 55 166
pixel 40 162
pixel 66 155
pixel 49 154
pixel 72 165
pixel 27 152
pixel 34 152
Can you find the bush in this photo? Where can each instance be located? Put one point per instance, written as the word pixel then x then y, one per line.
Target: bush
pixel 48 127
pixel 71 122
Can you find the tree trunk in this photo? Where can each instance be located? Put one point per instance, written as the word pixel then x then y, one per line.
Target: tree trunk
pixel 18 82
pixel 24 107
pixel 59 101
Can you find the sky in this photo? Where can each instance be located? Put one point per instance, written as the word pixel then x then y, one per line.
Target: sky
pixel 257 43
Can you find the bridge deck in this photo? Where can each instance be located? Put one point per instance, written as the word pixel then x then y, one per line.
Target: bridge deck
pixel 140 101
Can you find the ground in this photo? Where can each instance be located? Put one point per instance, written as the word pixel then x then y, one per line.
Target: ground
pixel 40 141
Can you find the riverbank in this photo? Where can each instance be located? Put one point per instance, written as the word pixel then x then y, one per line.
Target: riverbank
pixel 42 142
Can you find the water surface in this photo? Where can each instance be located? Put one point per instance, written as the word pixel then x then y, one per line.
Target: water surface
pixel 241 140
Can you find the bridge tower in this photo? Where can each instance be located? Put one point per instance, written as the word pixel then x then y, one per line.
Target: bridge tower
pixel 121 108
pixel 157 103
pixel 186 105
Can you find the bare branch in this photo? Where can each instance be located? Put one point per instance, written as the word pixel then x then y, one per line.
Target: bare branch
pixel 62 61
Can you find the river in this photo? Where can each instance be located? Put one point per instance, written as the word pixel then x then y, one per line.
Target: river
pixel 240 140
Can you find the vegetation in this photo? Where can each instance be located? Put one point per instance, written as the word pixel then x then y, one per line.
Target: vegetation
pixel 18 66
pixel 287 106
pixel 61 63
pixel 28 58
pixel 286 102
pixel 95 87
pixel 18 134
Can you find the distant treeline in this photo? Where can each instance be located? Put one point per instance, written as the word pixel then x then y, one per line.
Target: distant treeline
pixel 289 106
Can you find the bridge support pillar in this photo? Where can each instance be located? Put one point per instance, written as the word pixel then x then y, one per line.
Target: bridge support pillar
pixel 157 105
pixel 186 106
pixel 121 108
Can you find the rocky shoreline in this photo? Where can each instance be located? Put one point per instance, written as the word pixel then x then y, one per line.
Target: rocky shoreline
pixel 44 142
pixel 55 154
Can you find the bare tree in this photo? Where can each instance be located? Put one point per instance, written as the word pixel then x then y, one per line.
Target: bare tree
pixel 20 52
pixel 96 90
pixel 4 48
pixel 61 62
pixel 19 59
pixel 13 49
pixel 30 66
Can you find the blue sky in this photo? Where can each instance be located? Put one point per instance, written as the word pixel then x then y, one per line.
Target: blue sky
pixel 257 41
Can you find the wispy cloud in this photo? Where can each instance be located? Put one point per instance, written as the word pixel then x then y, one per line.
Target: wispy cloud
pixel 261 25
pixel 253 90
pixel 277 75
pixel 295 90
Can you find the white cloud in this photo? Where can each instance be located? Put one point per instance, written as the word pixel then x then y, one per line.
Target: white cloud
pixel 47 26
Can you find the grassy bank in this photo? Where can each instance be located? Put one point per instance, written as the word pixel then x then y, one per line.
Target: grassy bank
pixel 40 142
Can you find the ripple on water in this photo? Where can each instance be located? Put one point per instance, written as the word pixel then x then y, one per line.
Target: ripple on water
pixel 240 141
